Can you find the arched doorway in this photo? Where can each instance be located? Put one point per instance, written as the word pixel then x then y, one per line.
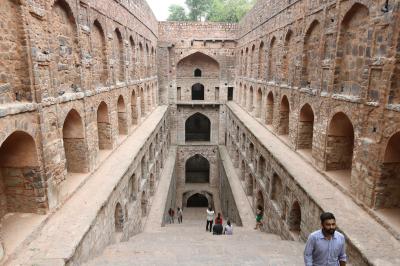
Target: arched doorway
pixel 197 169
pixel 142 103
pixel 143 204
pixel 340 143
pixel 284 117
pixel 249 185
pixel 260 200
pixel 134 111
pixel 104 127
pixel 152 184
pixel 305 130
pixel 388 195
pixel 197 128
pixel 20 175
pixel 250 106
pixel 118 218
pixel 197 200
pixel 197 72
pixel 294 219
pixel 76 153
pixel 198 91
pixel 269 116
pixel 258 103
pixel 122 118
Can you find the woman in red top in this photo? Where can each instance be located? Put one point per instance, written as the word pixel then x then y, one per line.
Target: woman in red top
pixel 218 220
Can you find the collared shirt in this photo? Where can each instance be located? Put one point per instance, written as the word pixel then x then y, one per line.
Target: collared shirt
pixel 322 252
pixel 210 215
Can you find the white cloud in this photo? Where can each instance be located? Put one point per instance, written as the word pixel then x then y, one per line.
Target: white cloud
pixel 160 7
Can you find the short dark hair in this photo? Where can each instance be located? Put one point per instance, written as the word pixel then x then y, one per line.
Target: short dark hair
pixel 326 216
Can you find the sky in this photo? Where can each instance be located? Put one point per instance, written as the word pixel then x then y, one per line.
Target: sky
pixel 160 7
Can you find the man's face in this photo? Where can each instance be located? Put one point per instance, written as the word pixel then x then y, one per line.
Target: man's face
pixel 329 226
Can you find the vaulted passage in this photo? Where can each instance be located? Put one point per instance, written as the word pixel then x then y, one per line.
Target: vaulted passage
pixel 388 186
pixel 20 175
pixel 197 128
pixel 122 117
pixel 340 143
pixel 104 127
pixel 197 200
pixel 305 130
pixel 197 169
pixel 75 148
pixel 198 91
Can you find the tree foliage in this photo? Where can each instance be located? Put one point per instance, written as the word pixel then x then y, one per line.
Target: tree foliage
pixel 211 10
pixel 177 13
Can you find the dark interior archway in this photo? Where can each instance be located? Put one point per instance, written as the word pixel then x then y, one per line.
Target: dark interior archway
pixel 197 200
pixel 197 72
pixel 198 91
pixel 197 128
pixel 197 169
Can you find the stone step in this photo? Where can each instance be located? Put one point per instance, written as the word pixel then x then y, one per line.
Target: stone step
pixel 190 246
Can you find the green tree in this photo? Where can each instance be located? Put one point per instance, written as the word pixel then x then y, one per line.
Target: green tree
pixel 198 9
pixel 229 10
pixel 211 10
pixel 177 13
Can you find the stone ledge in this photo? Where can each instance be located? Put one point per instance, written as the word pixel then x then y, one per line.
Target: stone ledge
pixel 16 108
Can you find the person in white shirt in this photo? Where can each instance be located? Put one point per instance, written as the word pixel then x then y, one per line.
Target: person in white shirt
pixel 228 230
pixel 210 218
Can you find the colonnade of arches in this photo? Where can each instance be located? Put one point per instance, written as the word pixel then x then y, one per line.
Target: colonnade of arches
pixel 21 172
pixel 339 155
pixel 347 54
pixel 340 132
pixel 276 194
pixel 106 45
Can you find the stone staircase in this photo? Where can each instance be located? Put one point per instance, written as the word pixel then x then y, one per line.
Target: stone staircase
pixel 190 244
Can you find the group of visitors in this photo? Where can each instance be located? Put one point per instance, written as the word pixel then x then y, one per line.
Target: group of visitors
pixel 218 228
pixel 324 247
pixel 171 215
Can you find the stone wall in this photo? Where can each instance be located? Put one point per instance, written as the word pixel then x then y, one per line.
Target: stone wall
pixel 288 210
pixel 338 58
pixel 88 60
pixel 186 46
pixel 228 204
pixel 129 193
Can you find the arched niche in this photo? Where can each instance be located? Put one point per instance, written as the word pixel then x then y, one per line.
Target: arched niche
pixel 66 46
pixel 305 127
pixel 209 66
pixel 134 110
pixel 76 153
pixel 197 200
pixel 387 193
pixel 197 128
pixel 284 113
pixel 269 117
pixel 122 116
pixel 21 188
pixel 104 127
pixel 197 169
pixel 14 70
pixel 340 143
pixel 198 91
pixel 99 50
pixel 118 218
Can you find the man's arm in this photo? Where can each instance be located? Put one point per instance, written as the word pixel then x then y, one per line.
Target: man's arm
pixel 342 254
pixel 308 251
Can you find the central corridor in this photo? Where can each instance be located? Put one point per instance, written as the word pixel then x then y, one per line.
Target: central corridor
pixel 190 244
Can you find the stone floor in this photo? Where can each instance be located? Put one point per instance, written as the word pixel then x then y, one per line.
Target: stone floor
pixel 190 244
